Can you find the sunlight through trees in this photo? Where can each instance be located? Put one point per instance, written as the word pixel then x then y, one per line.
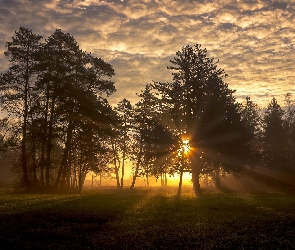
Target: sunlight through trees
pixel 61 125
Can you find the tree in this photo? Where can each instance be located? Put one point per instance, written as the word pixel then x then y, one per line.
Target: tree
pixel 141 115
pixel 203 108
pixel 91 149
pixel 123 135
pixel 289 125
pixel 58 93
pixel 149 136
pixel 71 82
pixel 16 84
pixel 3 127
pixel 252 120
pixel 275 141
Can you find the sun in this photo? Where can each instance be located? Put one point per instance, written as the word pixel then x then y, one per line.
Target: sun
pixel 185 145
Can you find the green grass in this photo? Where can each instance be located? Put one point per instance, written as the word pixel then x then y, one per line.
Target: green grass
pixel 146 219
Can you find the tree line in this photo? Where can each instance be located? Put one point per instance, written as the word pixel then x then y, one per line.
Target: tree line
pixel 61 125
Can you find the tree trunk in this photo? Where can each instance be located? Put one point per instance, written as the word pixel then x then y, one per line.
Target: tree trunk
pixel 69 172
pixel 217 177
pixel 134 176
pixel 117 174
pixel 114 146
pixel 82 175
pixel 196 168
pixel 81 178
pixel 42 157
pixel 180 183
pixel 63 169
pixel 74 180
pixel 124 155
pixel 34 164
pixel 165 179
pixel 123 167
pixel 49 142
pixel 137 167
pixel 24 131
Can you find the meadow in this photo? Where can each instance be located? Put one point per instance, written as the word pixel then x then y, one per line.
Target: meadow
pixel 153 218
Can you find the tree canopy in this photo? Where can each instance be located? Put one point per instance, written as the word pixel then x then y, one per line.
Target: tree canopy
pixel 57 93
pixel 202 108
pixel 61 125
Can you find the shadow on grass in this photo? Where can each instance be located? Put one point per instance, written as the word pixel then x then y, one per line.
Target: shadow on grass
pixel 145 219
pixel 59 221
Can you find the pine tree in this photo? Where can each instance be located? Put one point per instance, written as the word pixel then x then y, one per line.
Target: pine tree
pixel 203 108
pixel 16 85
pixel 274 136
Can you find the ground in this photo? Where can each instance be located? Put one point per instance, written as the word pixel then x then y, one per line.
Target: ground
pixel 147 218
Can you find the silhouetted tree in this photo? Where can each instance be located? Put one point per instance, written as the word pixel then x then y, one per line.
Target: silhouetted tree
pixel 289 125
pixel 123 136
pixel 87 78
pixel 59 93
pixel 16 84
pixel 275 141
pixel 91 150
pixel 203 108
pixel 143 113
pixel 142 110
pixel 252 120
pixel 3 128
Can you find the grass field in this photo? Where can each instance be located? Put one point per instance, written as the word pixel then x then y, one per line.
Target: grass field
pixel 146 219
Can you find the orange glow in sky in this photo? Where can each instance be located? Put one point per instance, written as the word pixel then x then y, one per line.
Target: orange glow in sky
pixel 254 40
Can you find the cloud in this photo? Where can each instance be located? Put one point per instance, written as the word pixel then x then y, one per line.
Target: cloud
pixel 254 39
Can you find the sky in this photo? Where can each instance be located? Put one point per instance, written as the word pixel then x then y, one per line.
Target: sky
pixel 253 40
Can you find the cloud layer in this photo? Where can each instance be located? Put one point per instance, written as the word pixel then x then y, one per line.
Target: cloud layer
pixel 254 39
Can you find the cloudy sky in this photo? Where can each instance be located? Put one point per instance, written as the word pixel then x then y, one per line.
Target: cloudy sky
pixel 253 39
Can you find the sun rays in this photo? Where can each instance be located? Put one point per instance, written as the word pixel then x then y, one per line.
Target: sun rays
pixel 186 146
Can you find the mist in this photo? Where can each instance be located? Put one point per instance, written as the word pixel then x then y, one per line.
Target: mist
pixel 6 173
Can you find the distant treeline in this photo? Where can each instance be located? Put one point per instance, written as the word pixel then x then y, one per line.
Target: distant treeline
pixel 61 126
